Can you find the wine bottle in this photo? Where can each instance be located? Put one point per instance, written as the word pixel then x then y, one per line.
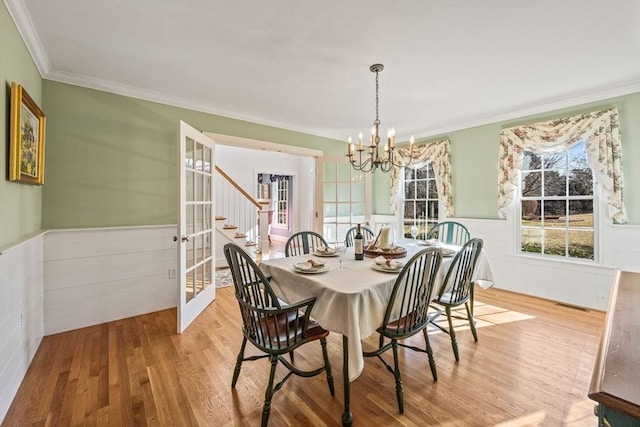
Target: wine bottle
pixel 358 244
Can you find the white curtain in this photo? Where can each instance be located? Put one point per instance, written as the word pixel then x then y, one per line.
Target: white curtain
pixel 601 132
pixel 439 154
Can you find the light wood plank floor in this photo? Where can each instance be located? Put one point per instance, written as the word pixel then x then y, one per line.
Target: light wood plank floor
pixel 531 367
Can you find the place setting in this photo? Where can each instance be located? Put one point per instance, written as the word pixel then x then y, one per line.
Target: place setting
pixel 387 265
pixel 447 250
pixel 310 267
pixel 325 251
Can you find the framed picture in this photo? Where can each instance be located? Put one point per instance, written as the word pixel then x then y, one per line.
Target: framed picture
pixel 27 125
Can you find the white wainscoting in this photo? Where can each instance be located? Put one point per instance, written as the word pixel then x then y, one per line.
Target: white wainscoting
pixel 92 276
pixel 574 283
pixel 21 308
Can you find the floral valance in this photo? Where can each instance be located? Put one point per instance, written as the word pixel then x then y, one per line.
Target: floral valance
pixel 439 154
pixel 600 130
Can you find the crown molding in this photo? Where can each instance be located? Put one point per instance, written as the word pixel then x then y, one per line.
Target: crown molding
pixel 20 15
pixel 161 98
pixel 575 100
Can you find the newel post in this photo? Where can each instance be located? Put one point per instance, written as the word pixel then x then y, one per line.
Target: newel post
pixel 263 231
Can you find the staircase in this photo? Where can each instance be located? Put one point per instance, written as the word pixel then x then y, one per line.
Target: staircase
pixel 240 219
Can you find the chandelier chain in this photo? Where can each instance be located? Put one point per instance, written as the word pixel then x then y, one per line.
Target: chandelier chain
pixel 377 121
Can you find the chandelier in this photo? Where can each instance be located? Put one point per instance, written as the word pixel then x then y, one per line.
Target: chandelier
pixel 376 156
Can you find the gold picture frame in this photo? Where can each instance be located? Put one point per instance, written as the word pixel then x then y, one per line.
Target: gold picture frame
pixel 27 126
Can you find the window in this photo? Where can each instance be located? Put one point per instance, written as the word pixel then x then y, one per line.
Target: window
pixel 557 204
pixel 281 217
pixel 420 201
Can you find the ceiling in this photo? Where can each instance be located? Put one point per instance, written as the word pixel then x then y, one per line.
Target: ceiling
pixel 304 65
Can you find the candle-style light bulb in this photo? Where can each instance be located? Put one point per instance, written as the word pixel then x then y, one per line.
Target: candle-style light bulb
pixel 411 141
pixel 360 141
pixel 349 146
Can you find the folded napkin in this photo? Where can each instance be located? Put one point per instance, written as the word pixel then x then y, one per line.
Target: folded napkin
pixel 325 249
pixel 309 265
pixel 388 263
pixel 447 252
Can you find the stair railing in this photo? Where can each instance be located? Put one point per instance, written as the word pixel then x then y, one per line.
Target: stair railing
pixel 241 210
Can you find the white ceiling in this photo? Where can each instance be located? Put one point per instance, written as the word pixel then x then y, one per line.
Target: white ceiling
pixel 304 65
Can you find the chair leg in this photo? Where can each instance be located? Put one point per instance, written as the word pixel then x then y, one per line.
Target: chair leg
pixel 432 362
pixel 291 356
pixel 236 371
pixel 396 366
pixel 327 366
pixel 452 333
pixel 266 409
pixel 472 322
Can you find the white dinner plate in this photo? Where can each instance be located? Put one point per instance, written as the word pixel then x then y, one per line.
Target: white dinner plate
pixel 326 254
pixel 385 269
pixel 311 270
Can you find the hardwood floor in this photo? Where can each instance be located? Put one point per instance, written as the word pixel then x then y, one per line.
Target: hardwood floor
pixel 531 367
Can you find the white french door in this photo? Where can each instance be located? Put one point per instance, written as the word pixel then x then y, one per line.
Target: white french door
pixel 195 224
pixel 344 197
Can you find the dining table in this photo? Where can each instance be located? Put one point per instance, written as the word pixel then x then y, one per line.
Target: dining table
pixel 352 295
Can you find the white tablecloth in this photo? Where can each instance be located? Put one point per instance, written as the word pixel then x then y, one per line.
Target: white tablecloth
pixel 352 300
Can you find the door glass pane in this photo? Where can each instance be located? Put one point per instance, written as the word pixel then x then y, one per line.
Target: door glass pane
pixel 330 172
pixel 189 154
pixel 207 160
pixel 357 192
pixel 190 294
pixel 344 172
pixel 329 194
pixel 199 157
pixel 344 212
pixel 207 188
pixel 329 231
pixel 330 212
pixel 207 244
pixel 199 187
pixel 344 193
pixel 207 274
pixel 357 212
pixel 189 181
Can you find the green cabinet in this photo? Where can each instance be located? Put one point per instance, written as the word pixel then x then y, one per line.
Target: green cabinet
pixel 615 384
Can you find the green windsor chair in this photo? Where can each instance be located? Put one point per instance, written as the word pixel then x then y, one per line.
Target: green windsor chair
pixel 303 242
pixel 408 313
pixel 272 327
pixel 450 233
pixel 457 289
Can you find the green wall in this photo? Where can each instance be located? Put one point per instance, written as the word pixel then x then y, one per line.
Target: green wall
pixel 20 204
pixel 474 158
pixel 111 159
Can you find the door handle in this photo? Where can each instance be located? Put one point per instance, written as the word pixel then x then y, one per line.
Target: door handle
pixel 185 238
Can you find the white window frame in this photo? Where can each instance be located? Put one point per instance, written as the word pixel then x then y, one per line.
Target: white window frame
pixel 597 203
pixel 278 192
pixel 402 199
